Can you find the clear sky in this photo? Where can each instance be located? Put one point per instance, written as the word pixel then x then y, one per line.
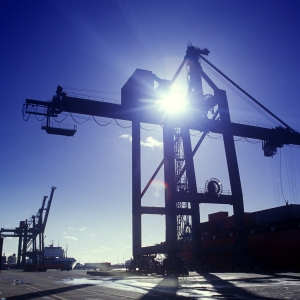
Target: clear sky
pixel 97 45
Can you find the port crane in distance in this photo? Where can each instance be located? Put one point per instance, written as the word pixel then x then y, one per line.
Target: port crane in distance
pixel 29 231
pixel 138 105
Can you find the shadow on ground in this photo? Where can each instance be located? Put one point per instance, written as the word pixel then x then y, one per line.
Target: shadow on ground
pixel 33 295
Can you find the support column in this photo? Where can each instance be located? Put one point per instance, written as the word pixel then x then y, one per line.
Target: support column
pixel 192 186
pixel 1 247
pixel 234 177
pixel 43 248
pixel 136 189
pixel 170 190
pixel 19 251
pixel 24 245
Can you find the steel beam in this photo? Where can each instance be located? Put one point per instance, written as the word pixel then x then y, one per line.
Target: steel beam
pixel 170 191
pixel 149 210
pixel 206 198
pixel 136 189
pixel 192 187
pixel 234 177
pixel 149 114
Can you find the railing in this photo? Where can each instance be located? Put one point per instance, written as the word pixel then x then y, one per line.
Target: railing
pixel 58 125
pixel 224 192
pixel 94 98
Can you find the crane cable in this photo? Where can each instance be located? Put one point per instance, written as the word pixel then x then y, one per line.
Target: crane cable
pixel 246 99
pixel 274 180
pixel 247 94
pixel 288 157
pixel 101 124
pixel 154 129
pixel 24 113
pixel 277 175
pixel 60 120
pixel 291 173
pixel 77 121
pixel 121 125
pixel 280 178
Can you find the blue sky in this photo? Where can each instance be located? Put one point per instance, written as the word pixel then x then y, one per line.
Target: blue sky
pixel 97 45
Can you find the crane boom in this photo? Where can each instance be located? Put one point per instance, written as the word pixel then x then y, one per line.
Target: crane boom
pixel 278 135
pixel 48 209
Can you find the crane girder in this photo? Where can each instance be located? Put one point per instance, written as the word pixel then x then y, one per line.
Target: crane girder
pixel 139 99
pixel 147 113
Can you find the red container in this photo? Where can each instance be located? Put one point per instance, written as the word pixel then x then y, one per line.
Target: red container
pixel 218 216
pixel 228 222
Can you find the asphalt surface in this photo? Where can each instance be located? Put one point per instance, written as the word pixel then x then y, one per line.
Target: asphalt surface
pixel 77 284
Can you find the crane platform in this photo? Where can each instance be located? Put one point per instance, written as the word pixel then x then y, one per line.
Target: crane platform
pixel 59 128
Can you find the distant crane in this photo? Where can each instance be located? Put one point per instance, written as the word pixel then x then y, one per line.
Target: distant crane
pixel 182 199
pixel 29 231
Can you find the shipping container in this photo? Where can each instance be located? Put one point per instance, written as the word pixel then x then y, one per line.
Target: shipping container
pixel 277 215
pixel 228 222
pixel 218 216
pixel 273 239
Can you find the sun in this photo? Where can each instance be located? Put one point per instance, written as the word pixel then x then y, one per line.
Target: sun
pixel 173 102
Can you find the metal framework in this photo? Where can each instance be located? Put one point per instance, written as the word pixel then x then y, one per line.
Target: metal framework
pixel 29 231
pixel 183 221
pixel 182 200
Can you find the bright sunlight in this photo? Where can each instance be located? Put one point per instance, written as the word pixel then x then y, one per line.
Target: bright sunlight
pixel 173 102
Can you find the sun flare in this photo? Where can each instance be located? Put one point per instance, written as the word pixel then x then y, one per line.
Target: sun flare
pixel 173 102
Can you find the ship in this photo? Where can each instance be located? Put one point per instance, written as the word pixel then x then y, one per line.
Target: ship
pixel 58 263
pixel 56 258
pixel 62 263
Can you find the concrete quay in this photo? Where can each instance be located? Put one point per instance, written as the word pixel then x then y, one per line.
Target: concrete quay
pixel 80 284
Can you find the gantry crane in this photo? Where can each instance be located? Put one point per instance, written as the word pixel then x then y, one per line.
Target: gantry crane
pixel 182 199
pixel 29 231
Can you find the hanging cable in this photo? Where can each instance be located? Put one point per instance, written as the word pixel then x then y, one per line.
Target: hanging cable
pixel 280 173
pixel 196 134
pixel 122 126
pixel 102 124
pixel 40 120
pixel 293 173
pixel 79 122
pixel 215 138
pixel 149 129
pixel 290 173
pixel 220 137
pixel 251 142
pixel 273 178
pixel 60 120
pixel 24 113
pixel 34 108
pixel 276 178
